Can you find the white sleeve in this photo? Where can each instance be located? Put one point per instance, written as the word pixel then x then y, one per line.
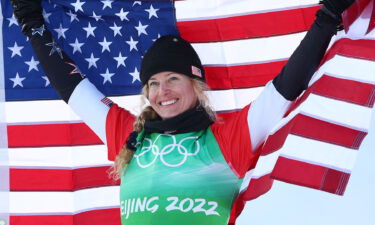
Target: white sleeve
pixel 86 102
pixel 264 113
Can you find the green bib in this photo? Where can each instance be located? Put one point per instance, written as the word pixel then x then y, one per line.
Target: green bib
pixel 178 179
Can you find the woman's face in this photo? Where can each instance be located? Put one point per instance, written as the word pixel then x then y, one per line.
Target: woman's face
pixel 171 94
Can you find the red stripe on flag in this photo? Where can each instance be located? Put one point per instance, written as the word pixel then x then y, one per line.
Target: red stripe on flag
pixel 45 220
pixel 68 180
pixel 257 187
pixel 237 208
pixel 37 135
pixel 257 25
pixel 308 127
pixel 345 90
pixel 362 49
pixel 242 76
pixel 98 217
pixel 354 11
pixel 309 175
pixel 316 129
pixel 276 140
pixel 94 217
pixel 371 25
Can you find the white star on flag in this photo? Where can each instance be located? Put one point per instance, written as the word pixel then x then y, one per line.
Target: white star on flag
pixel 135 75
pixel 12 20
pixel 116 29
pixel 105 45
pixel 17 80
pixel 46 16
pixel 152 12
pixel 107 3
pixel 47 81
pixel 92 61
pixel 73 16
pixel 89 30
pixel 33 65
pixel 107 76
pixel 141 29
pixel 76 46
pixel 137 2
pixel 120 60
pixel 16 50
pixel 78 5
pixel 122 15
pixel 61 32
pixel 156 38
pixel 132 44
pixel 96 17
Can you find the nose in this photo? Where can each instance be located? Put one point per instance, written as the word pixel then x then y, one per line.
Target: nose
pixel 164 88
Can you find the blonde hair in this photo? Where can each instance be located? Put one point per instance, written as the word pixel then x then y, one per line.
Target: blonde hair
pixel 148 113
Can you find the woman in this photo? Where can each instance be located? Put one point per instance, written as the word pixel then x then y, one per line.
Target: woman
pixel 181 164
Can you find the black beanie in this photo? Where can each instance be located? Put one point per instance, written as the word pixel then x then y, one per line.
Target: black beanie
pixel 171 53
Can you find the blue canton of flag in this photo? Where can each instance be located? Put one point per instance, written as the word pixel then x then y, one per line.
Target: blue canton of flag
pixel 106 39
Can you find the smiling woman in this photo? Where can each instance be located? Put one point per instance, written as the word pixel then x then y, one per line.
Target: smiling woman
pixel 167 73
pixel 171 94
pixel 178 162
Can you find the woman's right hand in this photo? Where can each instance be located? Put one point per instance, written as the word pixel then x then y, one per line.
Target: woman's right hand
pixel 27 11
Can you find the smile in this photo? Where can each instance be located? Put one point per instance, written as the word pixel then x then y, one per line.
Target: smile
pixel 170 102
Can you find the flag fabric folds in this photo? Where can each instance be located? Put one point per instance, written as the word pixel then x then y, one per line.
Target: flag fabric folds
pixel 316 144
pixel 54 168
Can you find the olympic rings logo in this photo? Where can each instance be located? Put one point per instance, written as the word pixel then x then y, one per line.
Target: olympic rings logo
pixel 152 148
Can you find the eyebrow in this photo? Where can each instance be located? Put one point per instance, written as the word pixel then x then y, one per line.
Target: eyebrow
pixel 166 75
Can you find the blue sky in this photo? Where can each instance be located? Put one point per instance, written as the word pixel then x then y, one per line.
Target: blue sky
pixel 289 204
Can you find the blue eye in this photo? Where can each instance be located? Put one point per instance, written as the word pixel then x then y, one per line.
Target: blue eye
pixel 173 78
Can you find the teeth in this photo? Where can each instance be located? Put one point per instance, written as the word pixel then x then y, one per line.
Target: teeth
pixel 168 102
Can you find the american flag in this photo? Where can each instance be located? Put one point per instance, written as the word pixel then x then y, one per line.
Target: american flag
pixel 52 155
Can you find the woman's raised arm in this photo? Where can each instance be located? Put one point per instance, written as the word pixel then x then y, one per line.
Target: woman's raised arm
pixel 61 71
pixel 293 79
